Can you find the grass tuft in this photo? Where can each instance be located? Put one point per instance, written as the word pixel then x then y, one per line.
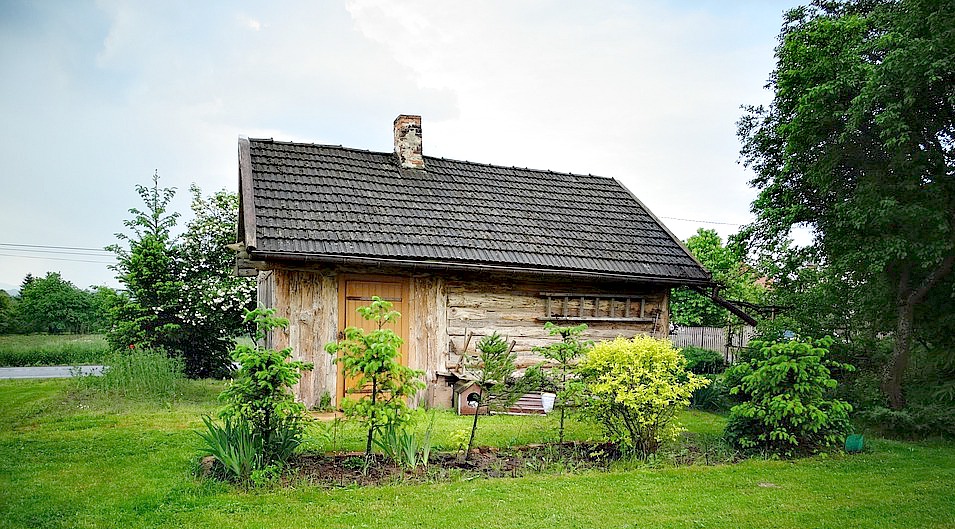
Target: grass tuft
pixel 142 375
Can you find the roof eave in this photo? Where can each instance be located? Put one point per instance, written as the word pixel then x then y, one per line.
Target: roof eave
pixel 246 196
pixel 424 264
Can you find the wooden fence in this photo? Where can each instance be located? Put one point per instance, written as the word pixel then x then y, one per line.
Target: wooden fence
pixel 726 340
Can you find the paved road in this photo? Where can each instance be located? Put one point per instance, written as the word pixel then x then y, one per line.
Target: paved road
pixel 48 371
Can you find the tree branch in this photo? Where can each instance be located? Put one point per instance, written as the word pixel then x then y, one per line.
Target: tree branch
pixel 917 295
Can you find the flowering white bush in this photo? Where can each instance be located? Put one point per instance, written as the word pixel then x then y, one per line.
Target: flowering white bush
pixel 181 294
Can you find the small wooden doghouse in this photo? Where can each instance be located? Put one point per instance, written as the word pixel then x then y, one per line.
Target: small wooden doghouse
pixel 467 398
pixel 461 249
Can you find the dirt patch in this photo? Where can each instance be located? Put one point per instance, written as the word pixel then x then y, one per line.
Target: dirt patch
pixel 342 470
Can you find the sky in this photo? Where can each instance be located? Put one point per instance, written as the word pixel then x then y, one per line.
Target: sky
pixel 98 96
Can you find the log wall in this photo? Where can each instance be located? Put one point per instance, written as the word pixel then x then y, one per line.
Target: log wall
pixel 443 310
pixel 516 309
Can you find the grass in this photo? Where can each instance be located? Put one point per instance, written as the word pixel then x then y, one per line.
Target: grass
pixel 20 350
pixel 140 375
pixel 71 461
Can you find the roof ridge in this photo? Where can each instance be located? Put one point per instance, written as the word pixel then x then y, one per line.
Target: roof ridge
pixel 442 158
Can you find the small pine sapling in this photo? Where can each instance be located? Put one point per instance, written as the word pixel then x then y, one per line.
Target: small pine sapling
pixel 558 376
pixel 261 396
pixel 493 368
pixel 384 385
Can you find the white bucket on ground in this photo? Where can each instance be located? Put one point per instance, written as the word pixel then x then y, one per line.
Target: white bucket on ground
pixel 547 401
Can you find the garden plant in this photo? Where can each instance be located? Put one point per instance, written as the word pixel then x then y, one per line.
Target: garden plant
pixel 559 376
pixel 263 424
pixel 383 385
pixel 493 368
pixel 786 404
pixel 635 388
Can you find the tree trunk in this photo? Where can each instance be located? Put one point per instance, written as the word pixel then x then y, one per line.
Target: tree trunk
pixel 477 411
pixel 907 299
pixel 371 425
pixel 892 381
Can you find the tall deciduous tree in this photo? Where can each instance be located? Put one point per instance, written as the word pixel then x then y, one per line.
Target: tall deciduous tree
pixel 8 314
pixel 859 145
pixel 53 305
pixel 214 299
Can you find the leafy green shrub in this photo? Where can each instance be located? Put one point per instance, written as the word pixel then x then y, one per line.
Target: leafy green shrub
pixel 635 388
pixel 559 377
pixel 703 361
pixel 261 393
pixel 143 375
pixel 383 383
pixel 786 407
pixel 916 420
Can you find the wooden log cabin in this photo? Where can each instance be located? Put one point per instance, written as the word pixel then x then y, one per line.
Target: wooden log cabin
pixel 462 249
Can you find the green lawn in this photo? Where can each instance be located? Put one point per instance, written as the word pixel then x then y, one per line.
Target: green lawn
pixel 66 461
pixel 17 350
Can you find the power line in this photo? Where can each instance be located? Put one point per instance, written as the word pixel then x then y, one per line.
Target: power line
pixel 54 247
pixel 704 221
pixel 55 259
pixel 64 252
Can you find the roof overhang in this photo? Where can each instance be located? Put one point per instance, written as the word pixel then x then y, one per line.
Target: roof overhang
pixel 713 295
pixel 432 265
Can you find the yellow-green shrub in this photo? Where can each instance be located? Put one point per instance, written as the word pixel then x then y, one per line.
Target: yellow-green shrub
pixel 635 388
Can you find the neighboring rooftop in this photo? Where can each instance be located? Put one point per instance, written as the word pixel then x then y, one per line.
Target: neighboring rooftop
pixel 329 202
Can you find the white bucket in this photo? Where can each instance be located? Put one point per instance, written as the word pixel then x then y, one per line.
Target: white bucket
pixel 547 401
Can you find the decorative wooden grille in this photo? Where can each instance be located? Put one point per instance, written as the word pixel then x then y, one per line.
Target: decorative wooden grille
pixel 560 306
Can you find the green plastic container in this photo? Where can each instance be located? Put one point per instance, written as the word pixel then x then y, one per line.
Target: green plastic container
pixel 855 443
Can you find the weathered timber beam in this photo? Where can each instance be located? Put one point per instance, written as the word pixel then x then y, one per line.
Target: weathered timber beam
pixel 726 305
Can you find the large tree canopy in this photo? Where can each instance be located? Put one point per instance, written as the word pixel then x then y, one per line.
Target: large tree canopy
pixel 858 144
pixel 53 305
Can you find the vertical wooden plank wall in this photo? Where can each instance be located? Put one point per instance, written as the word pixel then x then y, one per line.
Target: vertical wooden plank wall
pixel 309 300
pixel 427 330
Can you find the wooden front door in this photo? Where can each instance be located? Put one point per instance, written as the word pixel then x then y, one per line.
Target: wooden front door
pixel 357 292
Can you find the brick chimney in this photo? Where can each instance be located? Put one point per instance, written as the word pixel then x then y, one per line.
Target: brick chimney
pixel 408 142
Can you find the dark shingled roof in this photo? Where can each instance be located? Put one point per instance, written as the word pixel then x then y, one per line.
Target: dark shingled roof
pixel 304 201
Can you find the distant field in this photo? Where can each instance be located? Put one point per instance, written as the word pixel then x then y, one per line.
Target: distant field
pixel 49 349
